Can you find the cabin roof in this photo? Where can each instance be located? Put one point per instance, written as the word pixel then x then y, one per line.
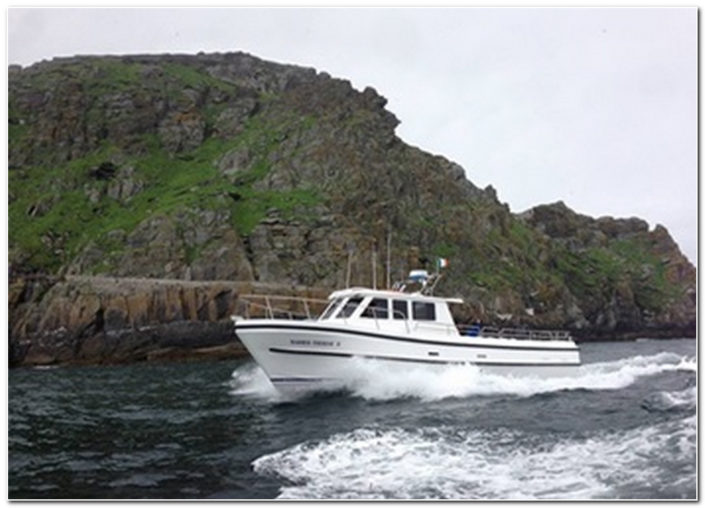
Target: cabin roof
pixel 388 293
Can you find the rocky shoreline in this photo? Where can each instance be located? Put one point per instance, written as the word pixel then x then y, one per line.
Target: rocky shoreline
pixel 107 320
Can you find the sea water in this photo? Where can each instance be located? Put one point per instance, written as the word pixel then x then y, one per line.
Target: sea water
pixel 624 427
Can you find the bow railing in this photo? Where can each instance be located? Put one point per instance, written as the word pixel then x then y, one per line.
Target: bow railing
pixel 280 307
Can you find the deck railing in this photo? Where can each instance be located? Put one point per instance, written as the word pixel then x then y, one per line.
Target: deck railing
pixel 309 309
pixel 381 315
pixel 280 307
pixel 448 329
pixel 303 308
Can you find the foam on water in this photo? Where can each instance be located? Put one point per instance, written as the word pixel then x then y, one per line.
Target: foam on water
pixel 250 380
pixel 686 398
pixel 372 463
pixel 375 380
pixel 672 401
pixel 688 364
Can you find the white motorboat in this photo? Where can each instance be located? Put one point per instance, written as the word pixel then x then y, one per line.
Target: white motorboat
pixel 392 327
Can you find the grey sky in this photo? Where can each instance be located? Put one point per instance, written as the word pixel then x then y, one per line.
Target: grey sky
pixel 597 107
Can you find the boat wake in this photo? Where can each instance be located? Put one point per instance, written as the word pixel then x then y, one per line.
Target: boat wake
pixel 663 401
pixel 451 463
pixel 250 380
pixel 374 380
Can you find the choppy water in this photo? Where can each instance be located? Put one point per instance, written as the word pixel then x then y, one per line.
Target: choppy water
pixel 625 428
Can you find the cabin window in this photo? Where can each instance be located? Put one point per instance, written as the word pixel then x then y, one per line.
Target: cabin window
pixel 424 311
pixel 332 307
pixel 378 308
pixel 401 309
pixel 350 307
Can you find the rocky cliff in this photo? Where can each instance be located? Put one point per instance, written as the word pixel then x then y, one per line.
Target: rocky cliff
pixel 106 320
pixel 226 167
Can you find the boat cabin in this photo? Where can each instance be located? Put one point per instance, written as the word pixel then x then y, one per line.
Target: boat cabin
pixel 369 304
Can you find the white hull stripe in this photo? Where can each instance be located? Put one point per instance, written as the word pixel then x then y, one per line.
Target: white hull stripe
pixel 372 335
pixel 418 360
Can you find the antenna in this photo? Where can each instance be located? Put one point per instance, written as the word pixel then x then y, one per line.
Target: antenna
pixel 374 267
pixel 389 244
pixel 347 275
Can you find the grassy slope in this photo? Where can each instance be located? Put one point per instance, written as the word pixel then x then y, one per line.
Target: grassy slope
pixel 508 259
pixel 51 239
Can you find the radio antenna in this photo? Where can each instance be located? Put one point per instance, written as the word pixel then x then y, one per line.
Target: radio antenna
pixel 389 257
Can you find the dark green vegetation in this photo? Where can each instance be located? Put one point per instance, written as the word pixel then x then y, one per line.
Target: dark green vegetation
pixel 229 167
pixel 54 215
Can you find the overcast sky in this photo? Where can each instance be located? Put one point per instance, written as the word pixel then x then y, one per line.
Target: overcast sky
pixel 595 107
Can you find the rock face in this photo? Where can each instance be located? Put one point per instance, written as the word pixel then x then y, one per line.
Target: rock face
pixel 227 167
pixel 645 281
pixel 89 320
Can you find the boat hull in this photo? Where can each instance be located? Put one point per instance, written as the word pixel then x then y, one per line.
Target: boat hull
pixel 304 355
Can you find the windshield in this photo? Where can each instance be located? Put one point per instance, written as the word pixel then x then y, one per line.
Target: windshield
pixel 350 307
pixel 377 308
pixel 332 307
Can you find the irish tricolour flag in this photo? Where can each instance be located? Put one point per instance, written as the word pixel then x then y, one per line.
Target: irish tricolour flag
pixel 441 263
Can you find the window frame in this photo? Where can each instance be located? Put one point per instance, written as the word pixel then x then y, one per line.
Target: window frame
pixel 418 316
pixel 396 312
pixel 359 299
pixel 376 311
pixel 331 310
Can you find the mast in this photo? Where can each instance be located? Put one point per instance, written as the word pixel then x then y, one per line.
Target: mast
pixel 347 274
pixel 389 244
